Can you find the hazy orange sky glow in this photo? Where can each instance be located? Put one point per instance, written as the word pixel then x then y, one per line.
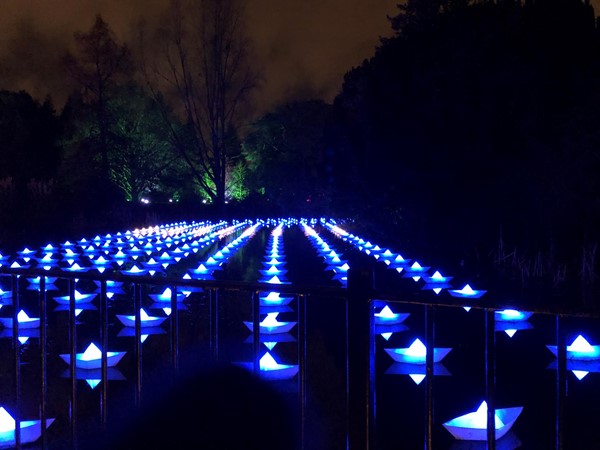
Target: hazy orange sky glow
pixel 304 48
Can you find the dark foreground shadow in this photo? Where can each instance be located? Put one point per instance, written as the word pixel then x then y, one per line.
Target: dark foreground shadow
pixel 218 408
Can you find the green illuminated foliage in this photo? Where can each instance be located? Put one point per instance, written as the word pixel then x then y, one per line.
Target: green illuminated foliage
pixel 140 150
pixel 141 159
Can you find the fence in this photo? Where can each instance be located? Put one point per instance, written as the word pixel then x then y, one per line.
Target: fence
pixel 359 299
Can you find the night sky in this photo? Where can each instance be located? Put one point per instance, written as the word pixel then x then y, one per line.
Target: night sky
pixel 302 47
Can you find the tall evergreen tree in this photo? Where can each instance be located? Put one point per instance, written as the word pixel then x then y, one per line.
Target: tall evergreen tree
pixel 477 122
pixel 98 65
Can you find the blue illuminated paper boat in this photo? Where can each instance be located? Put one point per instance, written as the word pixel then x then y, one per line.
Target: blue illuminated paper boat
pixel 23 319
pixel 274 299
pixel 436 282
pixel 580 350
pixel 79 298
pixel 76 267
pixel 26 253
pixel 512 315
pixel 273 270
pixel 165 296
pixel 271 325
pixel 473 426
pixel 92 358
pixel 415 271
pixel 272 370
pixel 36 280
pixel 273 280
pixel 416 353
pixel 511 320
pixel 202 272
pixel 274 262
pixel 399 263
pixel 387 317
pixel 135 270
pixel 145 319
pixel 466 292
pixel 30 430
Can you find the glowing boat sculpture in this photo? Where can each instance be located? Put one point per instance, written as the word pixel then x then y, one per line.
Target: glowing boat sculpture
pixel 473 426
pixel 415 271
pixel 580 350
pixel 165 296
pixel 270 325
pixel 23 319
pixel 511 320
pixel 30 430
pixel 436 282
pixel 466 292
pixel 271 369
pixel 145 319
pixel 92 358
pixel 387 317
pixel 512 315
pixel 79 298
pixel 273 270
pixel 274 299
pixel 416 353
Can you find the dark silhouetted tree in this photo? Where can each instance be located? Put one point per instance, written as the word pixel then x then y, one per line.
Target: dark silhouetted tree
pixel 97 66
pixel 286 155
pixel 29 134
pixel 29 157
pixel 476 121
pixel 203 69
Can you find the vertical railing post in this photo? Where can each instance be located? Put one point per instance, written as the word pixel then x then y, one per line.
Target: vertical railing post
pixel 429 374
pixel 561 381
pixel 490 375
pixel 104 362
pixel 371 381
pixel 358 330
pixel 43 360
pixel 174 333
pixel 256 331
pixel 72 356
pixel 302 365
pixel 137 304
pixel 17 358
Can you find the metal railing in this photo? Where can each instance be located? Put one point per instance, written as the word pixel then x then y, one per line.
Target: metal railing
pixel 360 300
